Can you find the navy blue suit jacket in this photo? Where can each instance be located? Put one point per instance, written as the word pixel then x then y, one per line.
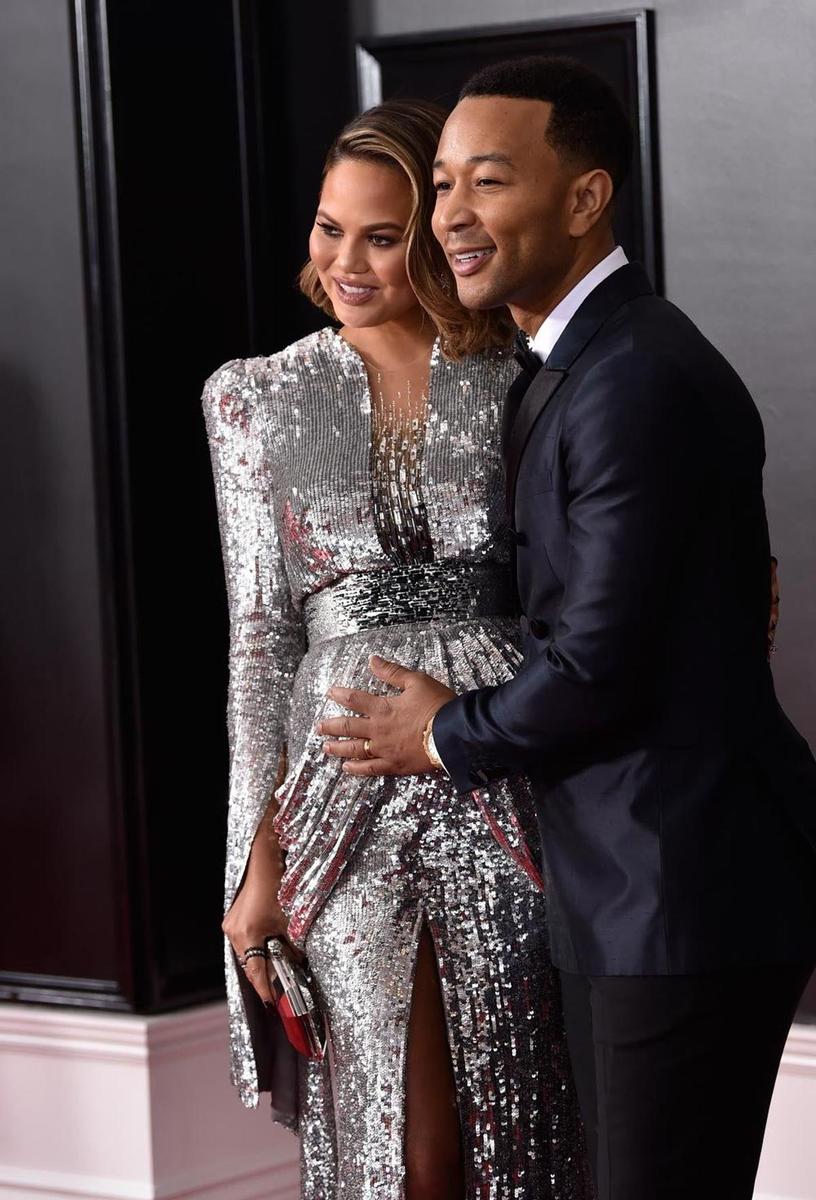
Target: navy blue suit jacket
pixel 677 803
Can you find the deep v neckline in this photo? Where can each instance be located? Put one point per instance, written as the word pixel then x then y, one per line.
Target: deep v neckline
pixel 433 362
pixel 401 519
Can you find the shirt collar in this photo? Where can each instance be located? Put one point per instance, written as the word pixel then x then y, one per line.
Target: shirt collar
pixel 555 324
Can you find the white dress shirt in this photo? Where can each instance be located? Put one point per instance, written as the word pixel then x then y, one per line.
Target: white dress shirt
pixel 554 325
pixel 546 337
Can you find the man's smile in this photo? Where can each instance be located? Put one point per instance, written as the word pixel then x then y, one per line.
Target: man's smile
pixel 469 260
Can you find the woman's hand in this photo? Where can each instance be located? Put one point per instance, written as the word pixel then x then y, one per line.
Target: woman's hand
pixel 255 914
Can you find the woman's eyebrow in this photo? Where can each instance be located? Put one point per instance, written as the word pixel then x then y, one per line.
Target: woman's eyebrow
pixel 321 212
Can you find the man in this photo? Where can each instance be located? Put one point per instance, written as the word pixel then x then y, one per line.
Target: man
pixel 677 804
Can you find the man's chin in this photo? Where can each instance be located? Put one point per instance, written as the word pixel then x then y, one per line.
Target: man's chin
pixel 477 294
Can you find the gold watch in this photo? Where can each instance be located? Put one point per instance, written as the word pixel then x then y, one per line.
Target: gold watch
pixel 429 746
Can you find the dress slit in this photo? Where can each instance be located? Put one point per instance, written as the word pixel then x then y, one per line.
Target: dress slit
pixel 425 1108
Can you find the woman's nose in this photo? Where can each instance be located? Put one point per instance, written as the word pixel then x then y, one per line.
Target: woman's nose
pixel 351 257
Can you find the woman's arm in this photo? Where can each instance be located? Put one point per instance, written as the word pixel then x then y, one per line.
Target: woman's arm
pixel 265 646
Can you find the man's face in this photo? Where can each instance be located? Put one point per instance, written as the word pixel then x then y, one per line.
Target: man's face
pixel 502 198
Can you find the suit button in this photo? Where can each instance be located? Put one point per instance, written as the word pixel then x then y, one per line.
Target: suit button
pixel 524 625
pixel 539 629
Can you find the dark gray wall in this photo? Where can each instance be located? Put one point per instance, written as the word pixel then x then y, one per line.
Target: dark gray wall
pixel 736 106
pixel 54 764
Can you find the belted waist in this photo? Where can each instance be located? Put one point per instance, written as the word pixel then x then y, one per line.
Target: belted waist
pixel 435 591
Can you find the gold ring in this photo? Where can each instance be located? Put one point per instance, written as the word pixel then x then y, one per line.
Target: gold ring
pixel 367 748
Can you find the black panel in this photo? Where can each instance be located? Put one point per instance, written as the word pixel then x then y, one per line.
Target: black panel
pixel 58 865
pixel 619 47
pixel 207 271
pixel 199 148
pixel 305 70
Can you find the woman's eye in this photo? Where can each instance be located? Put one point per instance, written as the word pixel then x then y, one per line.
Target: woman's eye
pixel 379 239
pixel 329 230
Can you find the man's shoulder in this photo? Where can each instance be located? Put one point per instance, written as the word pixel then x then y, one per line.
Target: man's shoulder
pixel 650 336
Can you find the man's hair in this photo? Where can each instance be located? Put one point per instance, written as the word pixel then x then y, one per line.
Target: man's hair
pixel 588 125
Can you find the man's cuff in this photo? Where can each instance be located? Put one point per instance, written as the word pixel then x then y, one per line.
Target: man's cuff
pixel 464 760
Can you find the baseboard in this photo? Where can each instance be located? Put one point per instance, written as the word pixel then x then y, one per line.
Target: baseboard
pixel 272 1183
pixel 104 1106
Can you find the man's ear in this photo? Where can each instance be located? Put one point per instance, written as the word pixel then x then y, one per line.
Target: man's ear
pixel 591 198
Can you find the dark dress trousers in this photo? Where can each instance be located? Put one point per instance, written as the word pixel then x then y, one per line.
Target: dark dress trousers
pixel 677 803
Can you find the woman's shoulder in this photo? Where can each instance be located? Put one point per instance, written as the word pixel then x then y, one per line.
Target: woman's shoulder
pixel 241 384
pixel 266 368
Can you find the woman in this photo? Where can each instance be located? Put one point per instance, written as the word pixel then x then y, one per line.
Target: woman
pixel 360 501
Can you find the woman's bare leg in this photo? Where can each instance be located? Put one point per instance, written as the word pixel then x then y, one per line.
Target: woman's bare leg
pixel 433 1150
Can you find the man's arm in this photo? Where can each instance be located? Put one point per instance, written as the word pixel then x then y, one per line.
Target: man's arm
pixel 635 455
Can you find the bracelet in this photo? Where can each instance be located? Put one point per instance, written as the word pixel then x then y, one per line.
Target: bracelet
pixel 429 746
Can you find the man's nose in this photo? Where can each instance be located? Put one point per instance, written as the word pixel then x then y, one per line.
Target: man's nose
pixel 454 213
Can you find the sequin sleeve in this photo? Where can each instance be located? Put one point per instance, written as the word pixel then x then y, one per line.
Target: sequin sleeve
pixel 266 643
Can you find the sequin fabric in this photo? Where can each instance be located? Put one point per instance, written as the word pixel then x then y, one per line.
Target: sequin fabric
pixel 307 552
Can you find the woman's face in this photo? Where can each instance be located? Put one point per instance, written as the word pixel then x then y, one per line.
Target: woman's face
pixel 357 243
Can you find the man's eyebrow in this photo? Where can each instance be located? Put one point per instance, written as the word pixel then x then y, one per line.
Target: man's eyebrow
pixel 321 212
pixel 494 156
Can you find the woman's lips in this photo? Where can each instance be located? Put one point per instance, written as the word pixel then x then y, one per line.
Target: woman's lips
pixel 353 293
pixel 468 262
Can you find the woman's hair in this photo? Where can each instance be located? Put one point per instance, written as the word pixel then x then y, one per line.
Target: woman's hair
pixel 404 134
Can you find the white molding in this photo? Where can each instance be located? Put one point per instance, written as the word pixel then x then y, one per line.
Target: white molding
pixel 280 1182
pixel 799 1057
pixel 109 1037
pixel 369 79
pixel 113 1106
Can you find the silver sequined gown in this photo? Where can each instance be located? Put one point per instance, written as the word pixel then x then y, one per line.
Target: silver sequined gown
pixel 327 560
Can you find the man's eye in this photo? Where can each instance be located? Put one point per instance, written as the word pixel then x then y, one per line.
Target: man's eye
pixel 487 182
pixel 441 186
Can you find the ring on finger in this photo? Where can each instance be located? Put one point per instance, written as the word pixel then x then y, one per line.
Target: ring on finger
pixel 253 952
pixel 367 748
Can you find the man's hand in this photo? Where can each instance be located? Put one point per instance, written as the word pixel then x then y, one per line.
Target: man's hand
pixel 393 725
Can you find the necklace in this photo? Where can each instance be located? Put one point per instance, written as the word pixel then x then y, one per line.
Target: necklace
pixel 424 356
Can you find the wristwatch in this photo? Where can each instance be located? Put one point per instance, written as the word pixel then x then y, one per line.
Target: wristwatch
pixel 429 746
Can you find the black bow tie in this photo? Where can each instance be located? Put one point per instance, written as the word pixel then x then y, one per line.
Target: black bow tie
pixel 524 356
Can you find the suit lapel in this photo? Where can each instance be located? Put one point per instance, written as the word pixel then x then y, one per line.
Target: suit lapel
pixel 623 285
pixel 535 400
pixel 512 403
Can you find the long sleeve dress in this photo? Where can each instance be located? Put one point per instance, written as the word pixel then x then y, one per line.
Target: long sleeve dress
pixel 340 541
